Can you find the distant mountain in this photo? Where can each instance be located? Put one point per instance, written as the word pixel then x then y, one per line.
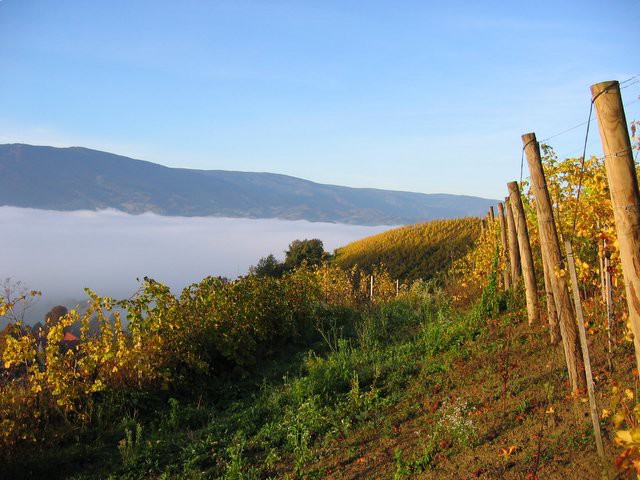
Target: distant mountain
pixel 82 179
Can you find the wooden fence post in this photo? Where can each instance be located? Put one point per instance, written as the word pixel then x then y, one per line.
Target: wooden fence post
pixel 506 275
pixel 552 253
pixel 625 197
pixel 593 407
pixel 608 287
pixel 528 271
pixel 512 237
pixel 552 309
pixel 603 280
pixel 492 215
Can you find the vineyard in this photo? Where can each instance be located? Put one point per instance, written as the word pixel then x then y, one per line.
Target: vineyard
pixel 500 347
pixel 415 251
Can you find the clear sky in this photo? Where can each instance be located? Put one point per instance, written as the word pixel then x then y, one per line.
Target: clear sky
pixel 427 96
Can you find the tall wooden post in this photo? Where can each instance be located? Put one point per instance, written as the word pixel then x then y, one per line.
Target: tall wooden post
pixel 528 271
pixel 552 310
pixel 553 255
pixel 625 197
pixel 492 215
pixel 506 274
pixel 512 237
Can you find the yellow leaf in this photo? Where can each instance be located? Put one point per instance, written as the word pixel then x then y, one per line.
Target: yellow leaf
pixel 623 437
pixel 618 419
pixel 507 452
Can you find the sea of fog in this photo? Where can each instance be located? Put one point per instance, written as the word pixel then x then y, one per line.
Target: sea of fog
pixel 60 253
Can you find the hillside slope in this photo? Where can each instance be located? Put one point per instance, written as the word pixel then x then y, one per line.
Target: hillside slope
pixel 439 394
pixel 79 178
pixel 413 251
pixel 425 384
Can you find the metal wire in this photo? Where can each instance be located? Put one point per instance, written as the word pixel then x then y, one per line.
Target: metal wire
pixel 584 156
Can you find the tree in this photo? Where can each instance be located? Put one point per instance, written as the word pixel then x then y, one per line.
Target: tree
pixel 268 266
pixel 311 251
pixel 54 315
pixel 17 298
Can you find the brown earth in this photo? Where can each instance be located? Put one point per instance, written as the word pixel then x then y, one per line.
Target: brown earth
pixel 515 417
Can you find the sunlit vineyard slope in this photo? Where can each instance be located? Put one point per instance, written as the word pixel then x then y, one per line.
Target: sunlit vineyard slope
pixel 413 251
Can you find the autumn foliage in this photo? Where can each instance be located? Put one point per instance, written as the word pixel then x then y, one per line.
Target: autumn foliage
pixel 583 213
pixel 412 252
pixel 157 341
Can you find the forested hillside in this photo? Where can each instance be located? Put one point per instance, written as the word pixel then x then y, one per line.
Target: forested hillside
pixel 414 251
pixel 83 179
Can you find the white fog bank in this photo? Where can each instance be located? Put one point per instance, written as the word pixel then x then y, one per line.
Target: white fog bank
pixel 60 253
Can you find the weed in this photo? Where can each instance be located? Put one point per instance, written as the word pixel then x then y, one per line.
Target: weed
pixel 302 425
pixel 457 423
pixel 331 325
pixel 174 413
pixel 421 463
pixel 131 445
pixel 524 407
pixel 580 439
pixel 402 468
pixel 237 467
pixel 272 458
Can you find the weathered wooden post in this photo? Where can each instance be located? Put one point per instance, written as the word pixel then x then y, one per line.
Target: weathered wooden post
pixel 552 310
pixel 512 237
pixel 593 407
pixel 608 287
pixel 625 197
pixel 528 271
pixel 553 255
pixel 492 215
pixel 506 275
pixel 603 284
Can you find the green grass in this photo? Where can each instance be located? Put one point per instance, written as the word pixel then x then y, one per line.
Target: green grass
pixel 273 419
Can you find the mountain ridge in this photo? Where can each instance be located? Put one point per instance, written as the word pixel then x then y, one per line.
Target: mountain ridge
pixel 79 178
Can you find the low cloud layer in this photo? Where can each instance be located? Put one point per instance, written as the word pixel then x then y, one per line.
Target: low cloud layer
pixel 60 253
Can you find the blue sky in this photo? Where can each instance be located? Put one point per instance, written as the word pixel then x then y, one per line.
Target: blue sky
pixel 421 96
